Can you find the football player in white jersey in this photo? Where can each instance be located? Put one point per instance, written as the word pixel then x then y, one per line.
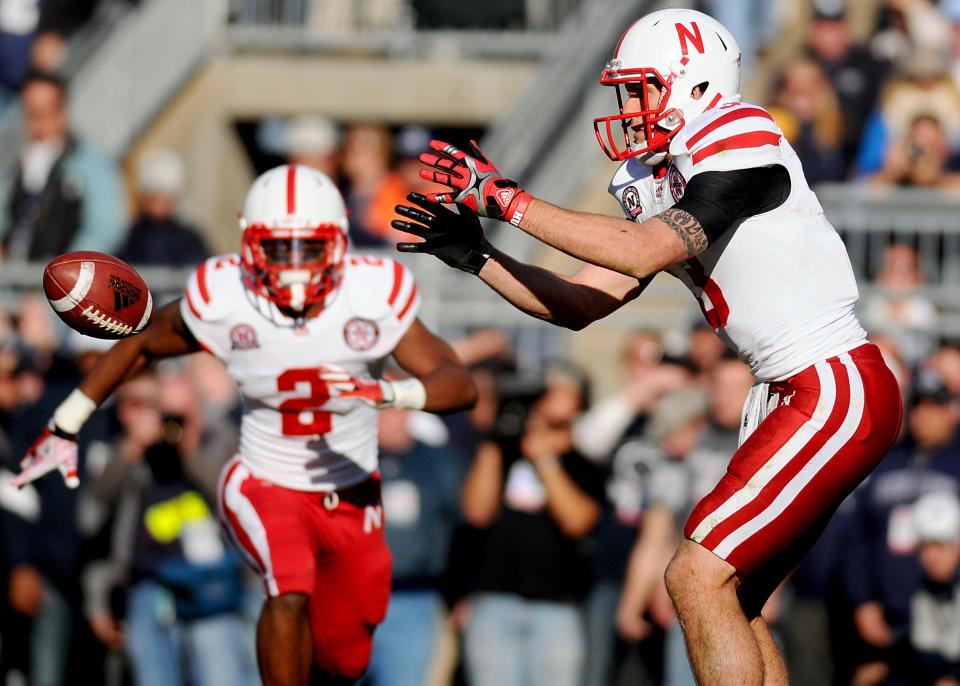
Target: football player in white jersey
pixel 714 195
pixel 304 328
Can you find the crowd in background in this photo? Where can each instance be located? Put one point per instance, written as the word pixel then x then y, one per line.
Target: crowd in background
pixel 530 535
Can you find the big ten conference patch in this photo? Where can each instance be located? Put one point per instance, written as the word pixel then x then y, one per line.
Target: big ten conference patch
pixel 631 202
pixel 243 337
pixel 677 183
pixel 361 334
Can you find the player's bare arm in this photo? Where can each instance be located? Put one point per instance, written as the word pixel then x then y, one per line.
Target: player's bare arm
pixel 448 385
pixel 636 250
pixel 56 447
pixel 167 336
pixel 457 239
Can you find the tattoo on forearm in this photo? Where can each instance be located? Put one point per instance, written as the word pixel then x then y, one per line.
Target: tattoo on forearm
pixel 686 226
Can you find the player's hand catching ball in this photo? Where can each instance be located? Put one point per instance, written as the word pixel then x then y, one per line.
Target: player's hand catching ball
pixel 474 182
pixel 53 449
pixel 456 239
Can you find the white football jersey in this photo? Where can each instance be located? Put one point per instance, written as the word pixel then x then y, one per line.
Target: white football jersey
pixel 778 288
pixel 292 433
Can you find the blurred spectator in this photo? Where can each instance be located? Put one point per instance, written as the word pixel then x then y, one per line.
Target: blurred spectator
pixel 65 196
pixel 696 435
pixel 48 52
pixel 881 569
pixel 705 349
pixel 921 159
pixel 922 88
pixel 934 640
pixel 946 362
pixel 898 309
pixel 404 178
pixel 158 236
pixel 41 538
pixel 183 587
pixel 952 10
pixel 18 22
pixel 647 378
pixel 807 110
pixel 421 487
pixel 313 140
pixel 536 498
pixel 366 166
pixel 855 74
pixel 612 434
pixel 908 27
pixel 749 20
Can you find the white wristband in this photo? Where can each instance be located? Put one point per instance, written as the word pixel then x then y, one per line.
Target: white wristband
pixel 409 394
pixel 73 412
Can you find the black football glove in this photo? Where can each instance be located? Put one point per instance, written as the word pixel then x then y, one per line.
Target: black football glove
pixel 456 239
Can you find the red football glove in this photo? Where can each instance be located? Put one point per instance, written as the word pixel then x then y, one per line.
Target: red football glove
pixel 474 182
pixel 374 392
pixel 50 451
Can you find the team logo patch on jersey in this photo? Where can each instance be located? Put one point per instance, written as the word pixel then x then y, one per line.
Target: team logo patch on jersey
pixel 243 337
pixel 361 334
pixel 631 201
pixel 677 183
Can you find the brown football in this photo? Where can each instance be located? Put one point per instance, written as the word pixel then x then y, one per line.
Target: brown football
pixel 97 294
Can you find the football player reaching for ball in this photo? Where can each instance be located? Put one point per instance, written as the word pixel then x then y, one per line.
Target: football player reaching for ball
pixel 714 195
pixel 303 327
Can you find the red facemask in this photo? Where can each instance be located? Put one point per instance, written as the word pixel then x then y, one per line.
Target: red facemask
pixel 294 268
pixel 656 137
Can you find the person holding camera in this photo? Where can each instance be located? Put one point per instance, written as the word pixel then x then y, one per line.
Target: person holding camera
pixel 177 587
pixel 535 499
pixel 921 160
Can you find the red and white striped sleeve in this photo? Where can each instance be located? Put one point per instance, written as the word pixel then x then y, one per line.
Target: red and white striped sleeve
pixel 732 136
pixel 404 299
pixel 204 305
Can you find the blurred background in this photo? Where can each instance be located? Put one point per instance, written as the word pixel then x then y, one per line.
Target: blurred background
pixel 135 127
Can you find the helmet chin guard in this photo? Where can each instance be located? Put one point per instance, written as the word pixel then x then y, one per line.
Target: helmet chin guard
pixel 294 237
pixel 693 61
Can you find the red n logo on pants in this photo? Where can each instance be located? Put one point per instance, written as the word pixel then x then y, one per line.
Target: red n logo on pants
pixel 712 302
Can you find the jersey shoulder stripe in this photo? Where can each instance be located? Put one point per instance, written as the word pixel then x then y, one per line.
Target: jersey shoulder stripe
pixel 381 287
pixel 734 114
pixel 397 282
pixel 741 141
pixel 733 136
pixel 213 286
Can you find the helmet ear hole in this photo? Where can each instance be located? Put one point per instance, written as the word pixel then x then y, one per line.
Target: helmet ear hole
pixel 697 91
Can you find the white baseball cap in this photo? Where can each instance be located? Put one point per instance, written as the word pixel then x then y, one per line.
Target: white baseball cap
pixel 936 517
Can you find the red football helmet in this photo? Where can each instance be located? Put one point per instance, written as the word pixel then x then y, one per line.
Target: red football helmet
pixel 294 226
pixel 677 50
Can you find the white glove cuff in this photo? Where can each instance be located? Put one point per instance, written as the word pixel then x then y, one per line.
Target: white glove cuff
pixel 409 394
pixel 73 412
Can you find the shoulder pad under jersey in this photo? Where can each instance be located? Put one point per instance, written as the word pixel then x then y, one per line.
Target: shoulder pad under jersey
pixel 378 288
pixel 214 287
pixel 732 136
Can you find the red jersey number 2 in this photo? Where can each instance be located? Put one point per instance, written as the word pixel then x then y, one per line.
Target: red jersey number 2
pixel 712 302
pixel 299 415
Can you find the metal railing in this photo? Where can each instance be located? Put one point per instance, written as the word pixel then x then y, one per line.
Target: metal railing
pixel 524 29
pixel 870 219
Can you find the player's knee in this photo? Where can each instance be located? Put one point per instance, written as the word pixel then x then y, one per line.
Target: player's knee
pixel 696 571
